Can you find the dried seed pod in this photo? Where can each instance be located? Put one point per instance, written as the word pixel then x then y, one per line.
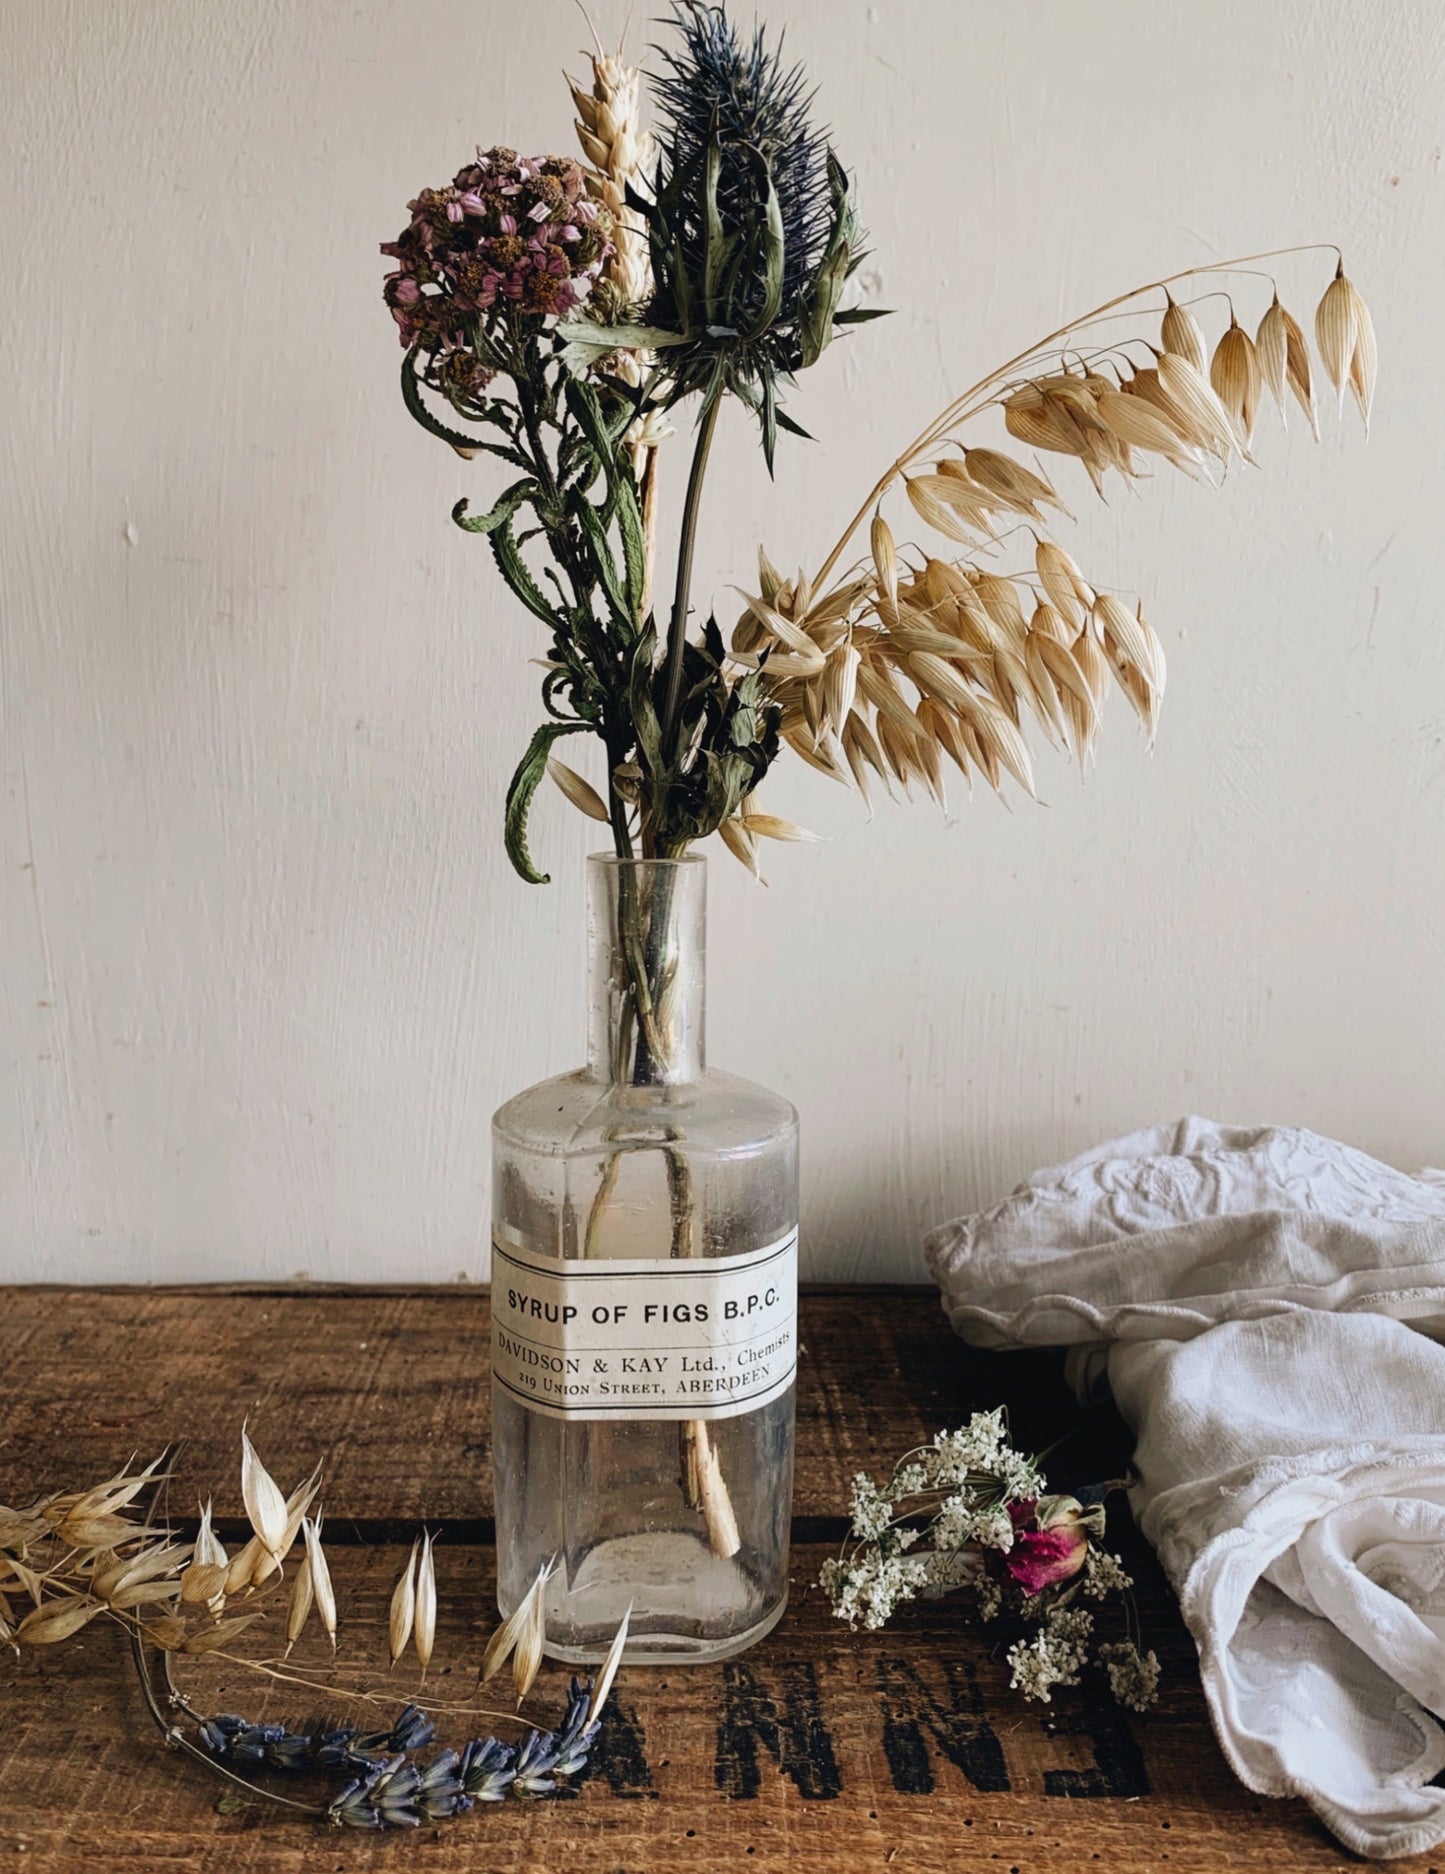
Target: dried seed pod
pixel 202 1583
pixel 741 844
pixel 1271 348
pixel 53 1621
pixel 209 1546
pixel 938 679
pixel 531 1638
pixel 320 1576
pixel 1125 636
pixel 243 1565
pixel 500 1646
pixel 265 1505
pixel 1048 705
pixel 297 1504
pixel 943 725
pixel 840 684
pixel 769 578
pixel 160 1559
pixel 583 796
pixel 1000 600
pixel 816 754
pixel 168 1633
pixel 1299 371
pixel 927 761
pixel 897 749
pixel 998 735
pixel 114 1494
pixel 885 560
pixel 946 517
pixel 300 1605
pixel 1042 419
pixel 1075 693
pixel 1235 374
pixel 1007 678
pixel 1069 592
pixel 1143 699
pixel 769 826
pixel 144 1594
pixel 1093 665
pixel 1138 426
pixel 1180 333
pixel 862 753
pixel 1337 330
pixel 426 1604
pixel 403 1608
pixel 1146 386
pixel 880 688
pixel 1048 622
pixel 1209 423
pixel 211 1638
pixel 609 1667
pixel 1009 481
pixel 1365 360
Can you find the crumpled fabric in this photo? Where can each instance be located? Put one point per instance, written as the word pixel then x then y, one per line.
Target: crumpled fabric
pixel 1266 1307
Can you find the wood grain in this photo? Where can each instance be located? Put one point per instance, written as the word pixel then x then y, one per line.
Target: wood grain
pixel 100 1374
pixel 820 1750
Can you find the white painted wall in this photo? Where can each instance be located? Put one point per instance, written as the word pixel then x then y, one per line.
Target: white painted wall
pixel 264 969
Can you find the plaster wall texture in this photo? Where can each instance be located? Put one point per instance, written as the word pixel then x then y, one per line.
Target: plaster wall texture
pixel 264 971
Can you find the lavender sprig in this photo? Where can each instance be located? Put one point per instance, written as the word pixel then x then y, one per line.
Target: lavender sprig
pixel 389 1788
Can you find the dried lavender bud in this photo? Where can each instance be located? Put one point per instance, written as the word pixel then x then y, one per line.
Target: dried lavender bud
pixel 578 1734
pixel 440 1793
pixel 353 1808
pixel 335 1748
pixel 252 1744
pixel 535 1761
pixel 293 1750
pixel 217 1732
pixel 412 1730
pixel 486 1771
pixel 394 1794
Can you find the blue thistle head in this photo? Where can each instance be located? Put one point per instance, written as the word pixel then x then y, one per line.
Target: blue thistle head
pixel 751 227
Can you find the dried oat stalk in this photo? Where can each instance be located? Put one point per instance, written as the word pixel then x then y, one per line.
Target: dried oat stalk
pixel 73 1556
pixel 949 647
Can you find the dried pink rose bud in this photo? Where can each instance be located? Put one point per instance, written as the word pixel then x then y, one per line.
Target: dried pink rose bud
pixel 1051 1541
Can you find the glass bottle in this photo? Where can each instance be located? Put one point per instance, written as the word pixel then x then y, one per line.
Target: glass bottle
pixel 644 1230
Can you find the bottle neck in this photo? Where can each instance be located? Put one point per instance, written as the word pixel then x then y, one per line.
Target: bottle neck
pixel 647 943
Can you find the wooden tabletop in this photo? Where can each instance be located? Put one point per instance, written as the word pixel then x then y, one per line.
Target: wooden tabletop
pixel 818 1750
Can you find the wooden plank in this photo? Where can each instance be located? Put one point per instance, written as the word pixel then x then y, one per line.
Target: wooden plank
pixel 818 1752
pixel 390 1388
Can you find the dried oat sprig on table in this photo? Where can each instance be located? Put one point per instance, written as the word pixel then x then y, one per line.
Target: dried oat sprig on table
pixel 77 1555
pixel 970 1515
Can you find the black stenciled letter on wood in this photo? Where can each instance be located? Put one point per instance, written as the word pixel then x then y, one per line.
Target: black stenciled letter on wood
pixel 1120 1767
pixel 797 1739
pixel 620 1755
pixel 957 1724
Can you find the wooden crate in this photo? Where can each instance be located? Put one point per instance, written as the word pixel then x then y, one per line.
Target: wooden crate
pixel 818 1751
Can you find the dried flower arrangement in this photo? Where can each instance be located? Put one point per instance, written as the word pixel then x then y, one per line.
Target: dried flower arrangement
pixel 567 310
pixel 82 1554
pixel 970 1514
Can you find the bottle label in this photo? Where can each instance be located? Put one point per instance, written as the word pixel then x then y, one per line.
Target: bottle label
pixel 692 1338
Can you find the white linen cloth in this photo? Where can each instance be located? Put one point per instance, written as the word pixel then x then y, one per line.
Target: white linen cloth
pixel 1265 1306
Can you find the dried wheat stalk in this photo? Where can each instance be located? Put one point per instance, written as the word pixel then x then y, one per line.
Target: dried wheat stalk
pixel 920 655
pixel 622 155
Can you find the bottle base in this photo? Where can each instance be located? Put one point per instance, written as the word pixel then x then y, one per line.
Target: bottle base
pixel 683 1602
pixel 662 1649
